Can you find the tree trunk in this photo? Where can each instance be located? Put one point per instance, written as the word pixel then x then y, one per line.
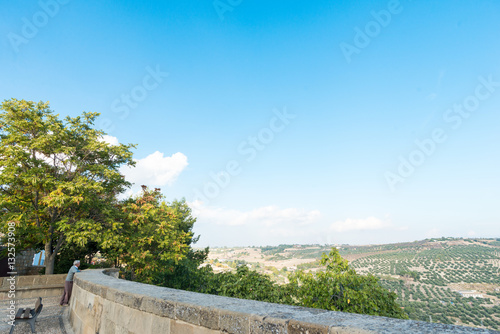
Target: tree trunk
pixel 50 259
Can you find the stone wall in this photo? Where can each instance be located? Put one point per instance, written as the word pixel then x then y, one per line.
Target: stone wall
pixel 33 286
pixel 107 305
pixel 24 263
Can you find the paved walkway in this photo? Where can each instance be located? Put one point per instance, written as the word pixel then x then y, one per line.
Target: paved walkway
pixel 50 321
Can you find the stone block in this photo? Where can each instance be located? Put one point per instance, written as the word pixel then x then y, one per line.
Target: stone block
pixel 95 289
pixel 107 327
pixel 41 293
pixel 140 322
pixel 160 324
pixel 187 313
pixel 52 279
pixel 40 280
pixel 82 284
pixel 96 312
pixel 265 325
pixel 179 327
pixel 121 329
pixel 160 307
pixel 209 317
pixel 349 330
pixel 61 278
pixel 87 299
pixel 76 322
pixel 88 329
pixel 77 292
pixel 298 327
pixel 132 319
pixel 55 292
pixel 24 294
pixel 79 310
pixel 232 322
pixel 25 281
pixel 55 279
pixel 6 283
pixel 124 298
pixel 117 314
pixel 108 310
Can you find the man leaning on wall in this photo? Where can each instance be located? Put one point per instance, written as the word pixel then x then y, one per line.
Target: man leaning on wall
pixel 68 284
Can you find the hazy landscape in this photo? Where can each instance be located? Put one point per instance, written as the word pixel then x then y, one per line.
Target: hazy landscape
pixel 138 135
pixel 434 279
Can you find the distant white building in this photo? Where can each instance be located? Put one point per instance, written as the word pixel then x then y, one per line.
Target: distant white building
pixel 470 293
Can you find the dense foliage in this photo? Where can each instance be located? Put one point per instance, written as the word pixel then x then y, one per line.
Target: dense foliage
pixel 71 251
pixel 152 237
pixel 249 284
pixel 243 283
pixel 58 179
pixel 59 185
pixel 339 288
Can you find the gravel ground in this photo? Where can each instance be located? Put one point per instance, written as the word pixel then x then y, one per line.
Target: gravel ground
pixel 50 321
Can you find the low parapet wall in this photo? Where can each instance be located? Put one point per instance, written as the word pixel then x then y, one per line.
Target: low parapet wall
pixel 107 305
pixel 32 286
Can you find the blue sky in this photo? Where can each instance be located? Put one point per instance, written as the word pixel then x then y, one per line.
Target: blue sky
pixel 283 122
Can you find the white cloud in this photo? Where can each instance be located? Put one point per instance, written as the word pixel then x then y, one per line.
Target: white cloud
pixel 370 223
pixel 110 140
pixel 272 225
pixel 134 191
pixel 155 170
pixel 268 216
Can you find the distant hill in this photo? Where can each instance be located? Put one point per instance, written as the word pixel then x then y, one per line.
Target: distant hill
pixel 445 280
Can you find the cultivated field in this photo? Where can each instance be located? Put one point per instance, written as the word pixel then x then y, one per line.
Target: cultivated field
pixel 455 281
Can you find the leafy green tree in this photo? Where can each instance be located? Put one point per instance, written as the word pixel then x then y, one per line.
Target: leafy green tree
pixel 58 178
pixel 249 284
pixel 246 284
pixel 71 252
pixel 339 288
pixel 187 274
pixel 153 236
